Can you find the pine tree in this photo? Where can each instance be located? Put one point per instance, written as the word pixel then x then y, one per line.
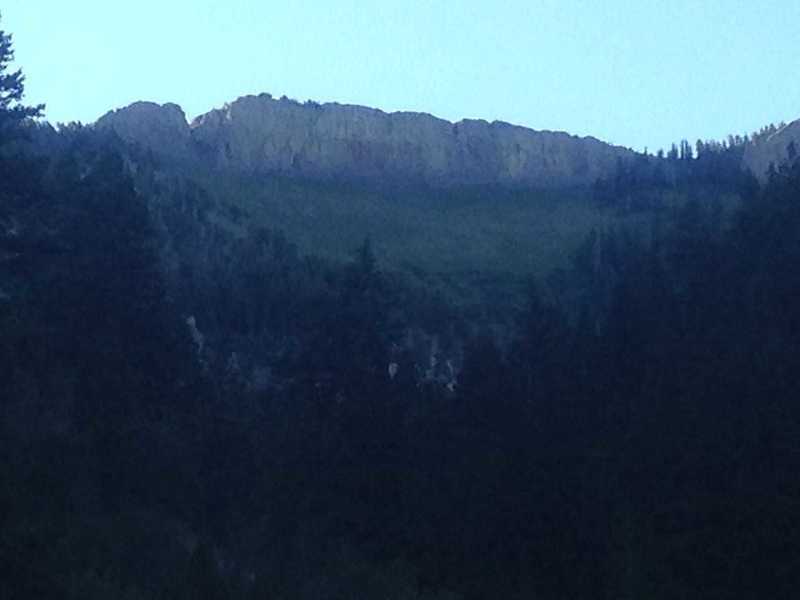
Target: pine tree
pixel 18 182
pixel 12 89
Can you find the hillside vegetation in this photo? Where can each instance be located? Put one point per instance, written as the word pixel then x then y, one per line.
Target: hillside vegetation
pixel 247 387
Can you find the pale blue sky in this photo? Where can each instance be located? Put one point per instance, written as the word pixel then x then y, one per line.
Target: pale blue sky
pixel 636 73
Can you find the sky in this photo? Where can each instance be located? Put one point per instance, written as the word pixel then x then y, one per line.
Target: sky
pixel 638 73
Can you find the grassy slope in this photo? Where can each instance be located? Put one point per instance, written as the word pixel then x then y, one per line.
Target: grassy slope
pixel 457 231
pixel 476 247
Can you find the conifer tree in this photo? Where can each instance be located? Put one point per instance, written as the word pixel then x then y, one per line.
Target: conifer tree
pixel 12 90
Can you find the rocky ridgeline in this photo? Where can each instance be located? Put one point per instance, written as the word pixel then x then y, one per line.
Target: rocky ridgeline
pixel 259 134
pixel 778 149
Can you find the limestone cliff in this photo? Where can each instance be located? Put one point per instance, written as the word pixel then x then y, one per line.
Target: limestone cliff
pixel 162 128
pixel 259 134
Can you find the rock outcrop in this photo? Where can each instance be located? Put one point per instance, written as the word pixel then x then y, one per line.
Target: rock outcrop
pixel 159 127
pixel 259 134
pixel 778 149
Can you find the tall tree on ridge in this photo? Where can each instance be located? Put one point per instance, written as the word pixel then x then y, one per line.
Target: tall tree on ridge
pixel 12 90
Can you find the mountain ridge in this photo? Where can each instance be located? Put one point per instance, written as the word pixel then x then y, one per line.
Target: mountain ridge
pixel 777 149
pixel 258 134
pixel 344 141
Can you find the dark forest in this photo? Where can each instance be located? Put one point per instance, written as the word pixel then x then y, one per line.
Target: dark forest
pixel 192 411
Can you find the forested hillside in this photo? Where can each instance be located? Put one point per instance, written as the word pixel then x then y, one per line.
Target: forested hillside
pixel 203 395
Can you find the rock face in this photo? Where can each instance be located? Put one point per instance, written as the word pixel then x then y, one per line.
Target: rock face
pixel 161 128
pixel 258 134
pixel 778 149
